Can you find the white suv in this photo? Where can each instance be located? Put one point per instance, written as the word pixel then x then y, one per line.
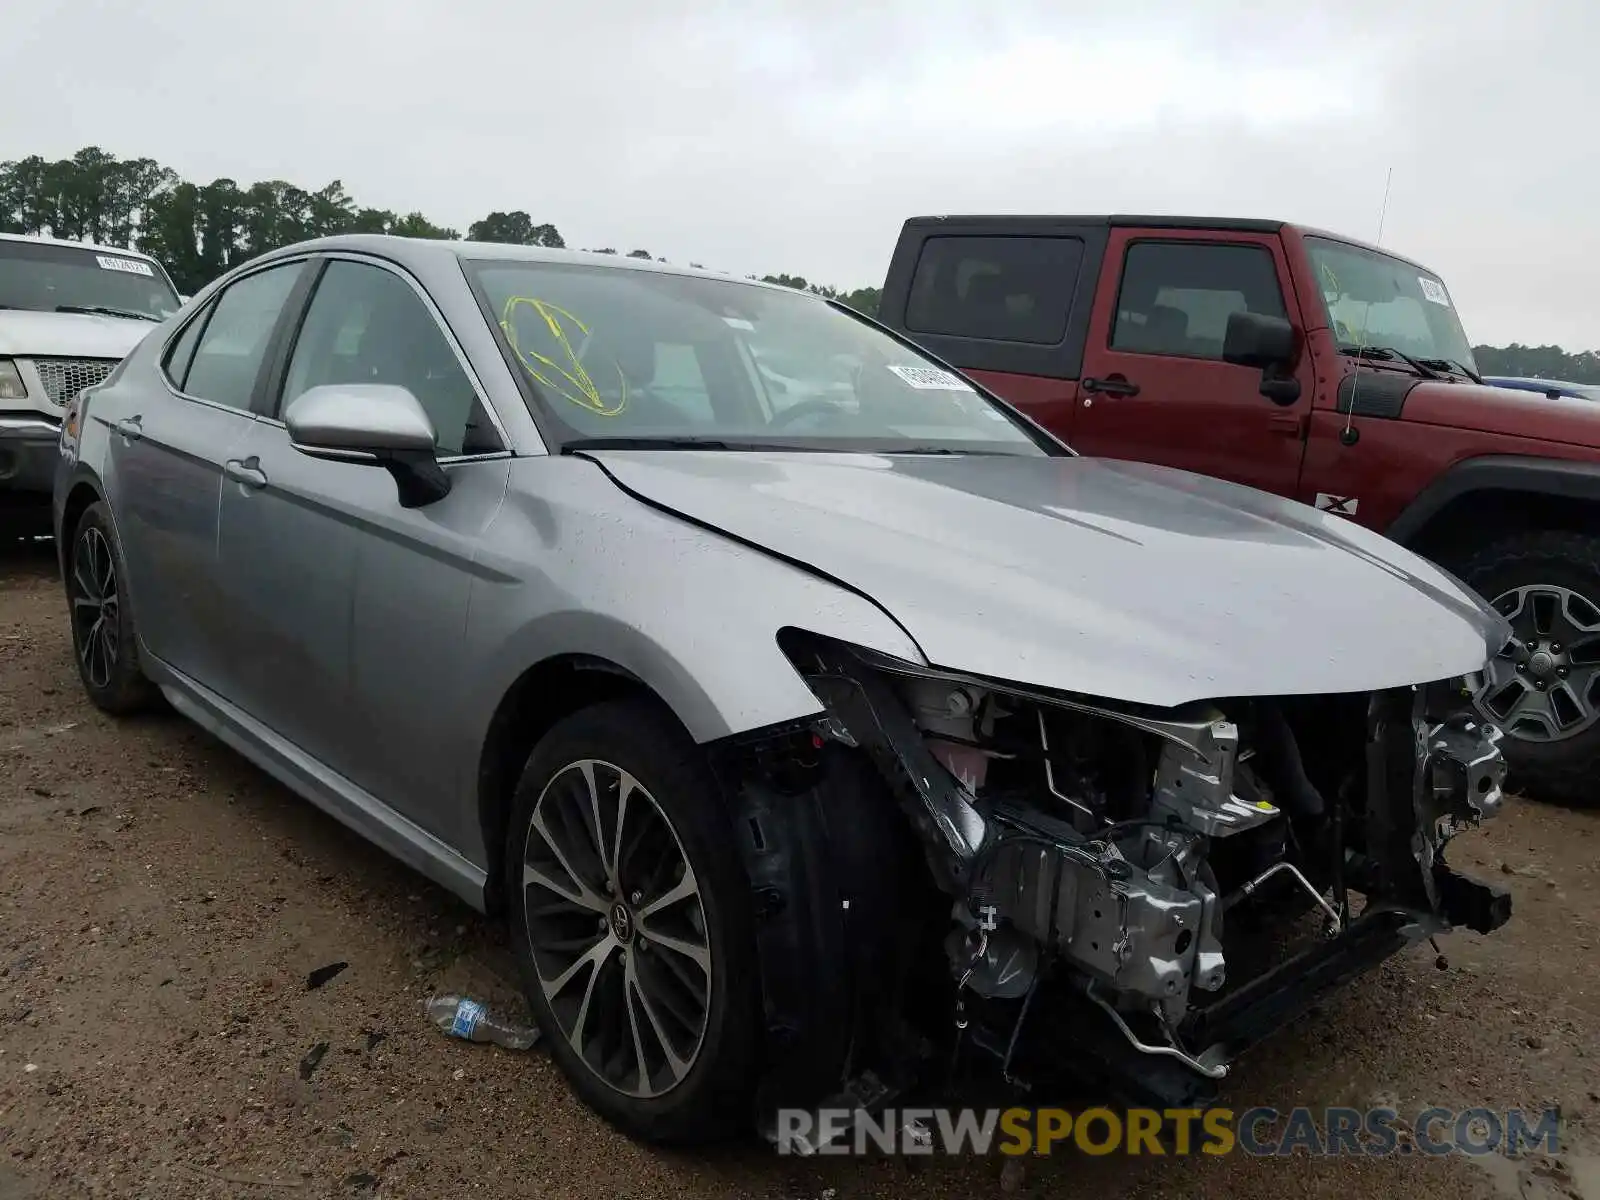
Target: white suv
pixel 69 312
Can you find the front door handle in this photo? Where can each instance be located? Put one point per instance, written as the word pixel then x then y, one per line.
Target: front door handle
pixel 246 471
pixel 1289 424
pixel 130 428
pixel 1112 385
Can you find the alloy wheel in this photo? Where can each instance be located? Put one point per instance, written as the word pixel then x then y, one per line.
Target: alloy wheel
pixel 1545 685
pixel 95 611
pixel 617 927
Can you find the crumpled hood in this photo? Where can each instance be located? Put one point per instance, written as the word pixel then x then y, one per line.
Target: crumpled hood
pixel 26 334
pixel 1508 411
pixel 1119 580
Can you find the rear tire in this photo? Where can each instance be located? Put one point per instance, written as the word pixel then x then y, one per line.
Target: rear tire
pixel 659 1038
pixel 1546 692
pixel 105 645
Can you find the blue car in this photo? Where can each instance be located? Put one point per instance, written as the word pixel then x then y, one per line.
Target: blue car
pixel 1550 387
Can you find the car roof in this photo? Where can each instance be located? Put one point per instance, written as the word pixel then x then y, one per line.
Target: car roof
pixel 1022 222
pixel 120 251
pixel 418 251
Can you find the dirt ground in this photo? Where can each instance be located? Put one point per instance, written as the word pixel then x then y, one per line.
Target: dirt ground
pixel 162 903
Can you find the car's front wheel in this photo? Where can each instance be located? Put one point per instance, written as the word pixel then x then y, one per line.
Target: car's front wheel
pixel 104 644
pixel 631 920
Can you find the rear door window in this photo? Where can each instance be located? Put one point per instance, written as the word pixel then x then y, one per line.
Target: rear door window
pixel 1176 297
pixel 1010 289
pixel 182 350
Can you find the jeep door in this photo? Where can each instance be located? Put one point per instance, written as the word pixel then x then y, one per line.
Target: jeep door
pixel 1154 385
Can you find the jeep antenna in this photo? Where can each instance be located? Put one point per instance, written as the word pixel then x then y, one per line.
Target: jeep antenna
pixel 1348 436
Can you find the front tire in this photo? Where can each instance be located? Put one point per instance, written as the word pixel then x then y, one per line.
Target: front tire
pixel 631 922
pixel 1545 691
pixel 104 643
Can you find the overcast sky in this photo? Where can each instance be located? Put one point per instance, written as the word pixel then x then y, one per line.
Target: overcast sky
pixel 770 136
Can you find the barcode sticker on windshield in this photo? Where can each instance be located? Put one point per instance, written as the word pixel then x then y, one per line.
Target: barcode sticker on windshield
pixel 131 265
pixel 931 379
pixel 1433 290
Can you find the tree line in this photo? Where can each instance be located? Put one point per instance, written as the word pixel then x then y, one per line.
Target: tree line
pixel 199 231
pixel 1539 362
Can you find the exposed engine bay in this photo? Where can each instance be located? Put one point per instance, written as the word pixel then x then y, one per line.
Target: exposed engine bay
pixel 1127 854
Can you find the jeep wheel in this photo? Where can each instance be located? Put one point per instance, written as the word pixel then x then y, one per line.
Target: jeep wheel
pixel 103 641
pixel 1544 690
pixel 631 920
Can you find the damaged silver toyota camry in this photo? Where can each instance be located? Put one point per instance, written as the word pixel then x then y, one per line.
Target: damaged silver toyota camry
pixel 822 728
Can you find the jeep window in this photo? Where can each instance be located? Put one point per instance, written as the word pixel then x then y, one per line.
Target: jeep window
pixel 664 358
pixel 1009 289
pixel 1373 299
pixel 45 277
pixel 1176 297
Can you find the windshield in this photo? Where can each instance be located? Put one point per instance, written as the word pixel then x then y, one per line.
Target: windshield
pixel 660 357
pixel 1374 300
pixel 49 278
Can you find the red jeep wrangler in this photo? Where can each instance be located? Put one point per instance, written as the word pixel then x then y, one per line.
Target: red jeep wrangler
pixel 1156 338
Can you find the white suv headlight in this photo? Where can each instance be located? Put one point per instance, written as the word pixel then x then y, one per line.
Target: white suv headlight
pixel 11 387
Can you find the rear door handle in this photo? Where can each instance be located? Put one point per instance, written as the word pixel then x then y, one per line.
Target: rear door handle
pixel 246 471
pixel 130 428
pixel 1112 385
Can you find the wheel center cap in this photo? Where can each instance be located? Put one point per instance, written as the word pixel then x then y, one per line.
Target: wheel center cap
pixel 621 923
pixel 1542 664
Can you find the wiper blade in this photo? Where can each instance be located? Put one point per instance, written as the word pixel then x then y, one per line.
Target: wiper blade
pixel 105 310
pixel 665 443
pixel 1450 364
pixel 1389 353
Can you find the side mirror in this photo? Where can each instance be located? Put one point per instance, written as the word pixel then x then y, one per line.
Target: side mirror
pixel 1268 344
pixel 378 424
pixel 1253 340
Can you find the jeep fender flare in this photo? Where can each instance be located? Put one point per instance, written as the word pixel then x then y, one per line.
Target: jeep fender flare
pixel 1547 478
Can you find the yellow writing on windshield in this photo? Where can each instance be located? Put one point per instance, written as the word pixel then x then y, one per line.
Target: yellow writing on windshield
pixel 562 372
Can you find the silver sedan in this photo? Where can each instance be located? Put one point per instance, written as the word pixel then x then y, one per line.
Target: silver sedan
pixel 810 737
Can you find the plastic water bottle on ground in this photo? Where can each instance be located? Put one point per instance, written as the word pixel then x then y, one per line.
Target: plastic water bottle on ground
pixel 472 1022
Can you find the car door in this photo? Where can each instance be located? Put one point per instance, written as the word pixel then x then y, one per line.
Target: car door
pixel 168 448
pixel 352 609
pixel 1154 385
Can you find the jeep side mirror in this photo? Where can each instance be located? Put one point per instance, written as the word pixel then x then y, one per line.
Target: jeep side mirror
pixel 1254 340
pixel 1267 344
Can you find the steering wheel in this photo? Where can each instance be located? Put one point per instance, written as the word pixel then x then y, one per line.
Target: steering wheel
pixel 817 404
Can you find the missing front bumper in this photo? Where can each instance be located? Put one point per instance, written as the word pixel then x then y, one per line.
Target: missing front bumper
pixel 1063 1048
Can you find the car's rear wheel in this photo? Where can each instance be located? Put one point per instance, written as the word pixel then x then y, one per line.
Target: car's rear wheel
pixel 104 643
pixel 631 919
pixel 1544 690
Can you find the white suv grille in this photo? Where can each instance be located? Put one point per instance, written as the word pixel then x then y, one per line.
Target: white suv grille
pixel 64 378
